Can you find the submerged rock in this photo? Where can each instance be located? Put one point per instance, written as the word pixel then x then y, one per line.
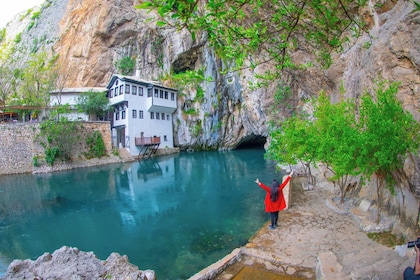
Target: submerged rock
pixel 71 263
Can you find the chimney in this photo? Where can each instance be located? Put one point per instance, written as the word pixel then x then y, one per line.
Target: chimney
pixel 137 73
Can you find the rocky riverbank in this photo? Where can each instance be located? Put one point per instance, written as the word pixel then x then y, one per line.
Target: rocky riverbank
pixel 70 263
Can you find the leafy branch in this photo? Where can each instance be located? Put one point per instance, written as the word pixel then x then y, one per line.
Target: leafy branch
pixel 250 33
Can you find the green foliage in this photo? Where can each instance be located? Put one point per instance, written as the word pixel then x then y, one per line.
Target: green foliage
pixel 58 139
pixel 376 143
pixel 125 65
pixel 281 94
pixel 93 103
pixel 251 32
pixel 31 24
pixel 388 132
pixel 199 97
pixel 96 145
pixel 51 154
pixel 115 152
pixel 2 34
pixel 197 130
pixel 386 238
pixel 36 15
pixel 187 80
pixel 35 160
pixel 18 38
pixel 190 111
pixel 338 138
pixel 417 4
pixel 7 84
pixel 37 79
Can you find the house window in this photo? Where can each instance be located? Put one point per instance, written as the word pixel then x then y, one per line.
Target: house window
pixel 117 116
pixel 134 114
pixel 161 94
pixel 123 115
pixel 152 115
pixel 166 94
pixel 140 114
pixel 121 89
pixel 134 90
pixel 156 93
pixel 163 116
pixel 165 138
pixel 157 116
pixel 167 117
pixel 172 96
pixel 140 91
pixel 149 92
pixel 127 89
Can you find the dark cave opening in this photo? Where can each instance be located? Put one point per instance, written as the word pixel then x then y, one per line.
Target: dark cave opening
pixel 252 142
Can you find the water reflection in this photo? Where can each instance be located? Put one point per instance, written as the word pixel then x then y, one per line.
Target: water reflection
pixel 174 214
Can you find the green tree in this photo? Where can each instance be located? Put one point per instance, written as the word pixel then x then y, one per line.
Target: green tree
pixel 375 144
pixel 37 80
pixel 125 65
pixel 338 139
pixel 95 104
pixel 61 75
pixel 6 85
pixel 389 133
pixel 294 142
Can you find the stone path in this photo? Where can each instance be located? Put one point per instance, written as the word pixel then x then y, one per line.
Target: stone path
pixel 311 234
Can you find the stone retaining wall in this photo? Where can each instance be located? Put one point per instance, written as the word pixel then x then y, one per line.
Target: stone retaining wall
pixel 18 145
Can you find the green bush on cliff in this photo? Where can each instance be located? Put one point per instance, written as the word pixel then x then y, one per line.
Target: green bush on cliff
pixel 125 65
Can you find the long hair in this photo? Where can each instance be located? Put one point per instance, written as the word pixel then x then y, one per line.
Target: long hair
pixel 274 190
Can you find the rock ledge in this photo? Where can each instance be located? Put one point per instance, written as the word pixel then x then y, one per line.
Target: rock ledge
pixel 71 263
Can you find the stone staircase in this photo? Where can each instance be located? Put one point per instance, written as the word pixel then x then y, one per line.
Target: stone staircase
pixel 384 263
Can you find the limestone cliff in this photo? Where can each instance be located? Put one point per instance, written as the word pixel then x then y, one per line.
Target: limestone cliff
pixel 92 35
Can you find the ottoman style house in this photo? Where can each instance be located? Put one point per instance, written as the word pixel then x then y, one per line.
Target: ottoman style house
pixel 142 118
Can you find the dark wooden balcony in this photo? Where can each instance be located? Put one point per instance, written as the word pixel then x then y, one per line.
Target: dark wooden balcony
pixel 147 141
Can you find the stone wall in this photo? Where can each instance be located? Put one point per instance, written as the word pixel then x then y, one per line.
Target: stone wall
pixel 18 146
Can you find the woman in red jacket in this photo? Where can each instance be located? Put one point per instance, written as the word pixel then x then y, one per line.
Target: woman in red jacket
pixel 274 198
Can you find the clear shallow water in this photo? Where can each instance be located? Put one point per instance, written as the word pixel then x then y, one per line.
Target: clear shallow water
pixel 175 215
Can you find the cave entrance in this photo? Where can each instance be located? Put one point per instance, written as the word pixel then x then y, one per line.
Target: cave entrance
pixel 252 142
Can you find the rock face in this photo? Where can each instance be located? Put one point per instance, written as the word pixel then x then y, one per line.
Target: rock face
pixel 70 263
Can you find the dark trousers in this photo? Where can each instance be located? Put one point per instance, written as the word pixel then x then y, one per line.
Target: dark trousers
pixel 409 274
pixel 274 218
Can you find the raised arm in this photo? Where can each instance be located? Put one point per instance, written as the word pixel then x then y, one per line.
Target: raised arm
pixel 261 185
pixel 287 180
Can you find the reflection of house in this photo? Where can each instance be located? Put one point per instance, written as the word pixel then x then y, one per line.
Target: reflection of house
pixel 142 114
pixel 69 96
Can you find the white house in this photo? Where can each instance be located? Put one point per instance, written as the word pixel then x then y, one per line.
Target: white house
pixel 69 96
pixel 142 120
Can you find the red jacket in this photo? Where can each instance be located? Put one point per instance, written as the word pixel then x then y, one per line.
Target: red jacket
pixel 280 203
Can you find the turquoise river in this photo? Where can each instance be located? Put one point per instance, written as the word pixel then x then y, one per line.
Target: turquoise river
pixel 175 214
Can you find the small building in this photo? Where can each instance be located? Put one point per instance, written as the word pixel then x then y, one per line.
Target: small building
pixel 143 114
pixel 69 96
